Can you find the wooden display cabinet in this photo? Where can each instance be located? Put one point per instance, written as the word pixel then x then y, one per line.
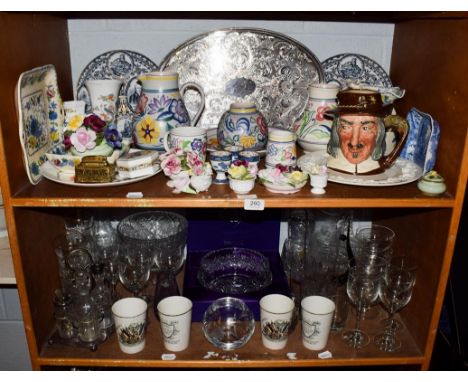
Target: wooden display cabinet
pixel 428 59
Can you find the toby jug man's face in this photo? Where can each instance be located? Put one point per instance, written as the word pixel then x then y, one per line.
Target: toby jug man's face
pixel 358 135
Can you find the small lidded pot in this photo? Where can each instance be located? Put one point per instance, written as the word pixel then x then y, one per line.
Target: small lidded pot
pixel 432 184
pixel 243 125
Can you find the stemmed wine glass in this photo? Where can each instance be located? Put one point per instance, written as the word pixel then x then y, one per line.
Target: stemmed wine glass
pixel 395 294
pixel 134 271
pixel 362 289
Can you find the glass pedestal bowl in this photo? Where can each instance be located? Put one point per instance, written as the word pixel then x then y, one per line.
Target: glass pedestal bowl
pixel 234 271
pixel 228 323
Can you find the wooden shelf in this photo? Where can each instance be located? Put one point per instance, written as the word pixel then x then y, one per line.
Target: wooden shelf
pixel 156 194
pixel 252 355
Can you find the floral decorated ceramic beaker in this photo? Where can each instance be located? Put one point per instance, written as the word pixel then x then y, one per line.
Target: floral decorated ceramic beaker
pixel 161 104
pixel 281 148
pixel 243 125
pixel 104 95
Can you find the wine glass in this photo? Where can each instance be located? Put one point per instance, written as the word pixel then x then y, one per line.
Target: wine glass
pixel 395 294
pixel 134 271
pixel 372 263
pixel 362 289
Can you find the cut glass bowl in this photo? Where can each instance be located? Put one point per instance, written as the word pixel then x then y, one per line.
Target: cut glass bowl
pixel 234 271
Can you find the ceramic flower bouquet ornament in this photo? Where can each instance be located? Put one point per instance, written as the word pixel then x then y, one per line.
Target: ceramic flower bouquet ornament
pixel 242 176
pixel 187 172
pixel 86 136
pixel 280 179
pixel 91 135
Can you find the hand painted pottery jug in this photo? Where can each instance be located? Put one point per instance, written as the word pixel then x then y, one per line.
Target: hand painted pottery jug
pixel 104 95
pixel 365 137
pixel 243 125
pixel 161 108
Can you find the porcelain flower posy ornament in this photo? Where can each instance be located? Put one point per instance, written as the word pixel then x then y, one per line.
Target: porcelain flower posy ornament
pixel 282 179
pixel 90 135
pixel 181 167
pixel 242 176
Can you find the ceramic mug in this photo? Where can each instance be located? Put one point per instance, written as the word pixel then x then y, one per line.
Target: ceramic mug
pixel 187 139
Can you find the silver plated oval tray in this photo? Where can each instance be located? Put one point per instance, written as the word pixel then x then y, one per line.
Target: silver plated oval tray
pixel 355 68
pixel 240 64
pixel 123 64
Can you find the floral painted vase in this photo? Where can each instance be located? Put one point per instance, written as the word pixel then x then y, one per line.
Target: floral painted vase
pixel 104 95
pixel 243 125
pixel 314 128
pixel 161 108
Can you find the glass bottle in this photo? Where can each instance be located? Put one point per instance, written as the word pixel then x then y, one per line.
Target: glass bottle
pixel 101 296
pixel 63 321
pixel 85 315
pixel 124 120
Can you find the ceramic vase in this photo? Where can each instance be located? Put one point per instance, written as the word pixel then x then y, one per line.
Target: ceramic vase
pixel 161 108
pixel 104 95
pixel 241 186
pixel 314 129
pixel 243 125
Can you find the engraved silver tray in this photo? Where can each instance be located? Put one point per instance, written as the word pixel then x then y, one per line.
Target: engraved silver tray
pixel 115 64
pixel 245 64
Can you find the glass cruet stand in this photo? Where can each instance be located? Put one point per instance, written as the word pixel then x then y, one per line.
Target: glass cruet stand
pixel 85 314
pixel 102 297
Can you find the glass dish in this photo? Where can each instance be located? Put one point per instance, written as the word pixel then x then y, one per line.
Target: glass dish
pixel 234 271
pixel 228 323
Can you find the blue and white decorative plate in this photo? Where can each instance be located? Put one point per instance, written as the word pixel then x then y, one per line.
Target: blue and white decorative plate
pixel 423 139
pixel 122 64
pixel 356 68
pixel 40 116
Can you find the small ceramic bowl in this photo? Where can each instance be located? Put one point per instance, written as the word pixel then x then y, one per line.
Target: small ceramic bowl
pixel 250 156
pixel 310 146
pixel 62 161
pixel 228 323
pixel 241 186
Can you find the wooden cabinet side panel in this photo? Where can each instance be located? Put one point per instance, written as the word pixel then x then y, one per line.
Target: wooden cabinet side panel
pixel 27 41
pixel 430 61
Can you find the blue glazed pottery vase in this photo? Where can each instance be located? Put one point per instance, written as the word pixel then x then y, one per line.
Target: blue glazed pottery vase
pixel 243 125
pixel 161 108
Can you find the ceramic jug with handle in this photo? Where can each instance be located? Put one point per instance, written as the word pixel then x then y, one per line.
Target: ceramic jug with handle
pixel 161 108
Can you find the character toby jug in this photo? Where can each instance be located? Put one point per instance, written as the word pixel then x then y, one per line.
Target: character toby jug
pixel 365 138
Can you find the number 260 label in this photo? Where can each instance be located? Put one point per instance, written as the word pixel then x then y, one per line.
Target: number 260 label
pixel 254 204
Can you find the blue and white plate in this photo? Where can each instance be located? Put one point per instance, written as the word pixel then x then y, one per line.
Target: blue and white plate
pixel 355 68
pixel 118 64
pixel 423 139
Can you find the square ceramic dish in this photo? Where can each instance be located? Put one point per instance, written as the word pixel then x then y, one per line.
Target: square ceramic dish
pixel 40 116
